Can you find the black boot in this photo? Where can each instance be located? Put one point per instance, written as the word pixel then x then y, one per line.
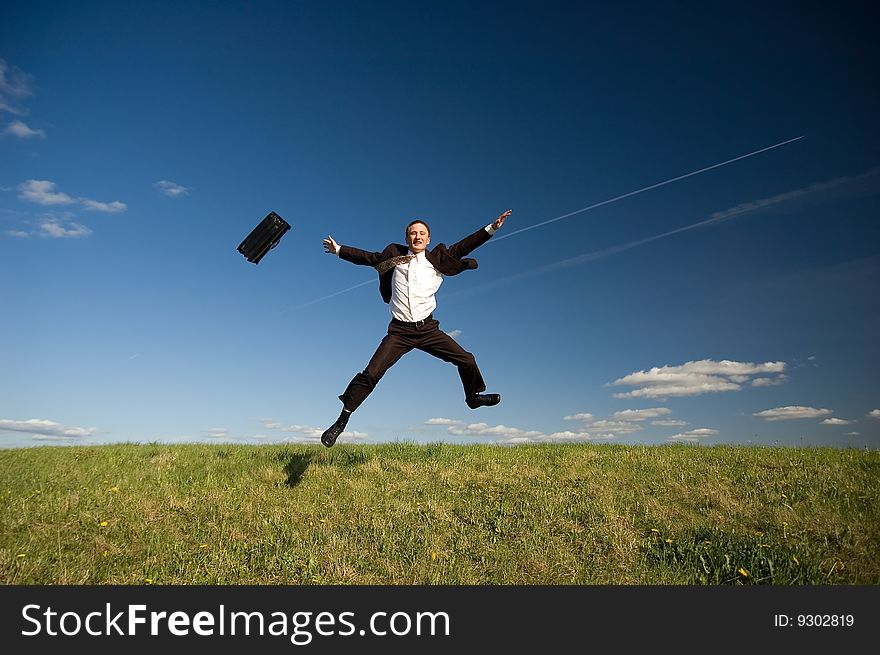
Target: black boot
pixel 483 400
pixel 332 433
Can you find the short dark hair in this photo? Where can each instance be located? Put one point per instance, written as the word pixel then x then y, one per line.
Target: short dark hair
pixel 411 223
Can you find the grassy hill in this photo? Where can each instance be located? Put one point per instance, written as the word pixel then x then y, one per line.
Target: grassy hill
pixel 403 513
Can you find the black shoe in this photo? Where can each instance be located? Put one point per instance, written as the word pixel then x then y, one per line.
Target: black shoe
pixel 332 433
pixel 483 400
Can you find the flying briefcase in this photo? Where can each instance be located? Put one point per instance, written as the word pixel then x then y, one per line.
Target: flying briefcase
pixel 263 238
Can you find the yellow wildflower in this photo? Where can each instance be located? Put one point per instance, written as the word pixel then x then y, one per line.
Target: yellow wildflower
pixel 743 572
pixel 104 524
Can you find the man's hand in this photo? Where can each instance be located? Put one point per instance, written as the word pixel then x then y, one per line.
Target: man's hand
pixel 500 220
pixel 330 246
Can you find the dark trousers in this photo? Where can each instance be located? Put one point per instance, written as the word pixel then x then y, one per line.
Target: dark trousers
pixel 401 338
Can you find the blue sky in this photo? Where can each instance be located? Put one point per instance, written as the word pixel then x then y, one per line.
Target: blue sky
pixel 692 255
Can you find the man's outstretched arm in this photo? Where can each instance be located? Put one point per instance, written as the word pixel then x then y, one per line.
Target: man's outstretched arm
pixel 353 255
pixel 478 238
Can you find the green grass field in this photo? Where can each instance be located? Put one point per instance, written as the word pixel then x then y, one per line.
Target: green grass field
pixel 407 514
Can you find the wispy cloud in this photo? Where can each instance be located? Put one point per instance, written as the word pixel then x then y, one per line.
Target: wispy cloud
pixel 44 428
pixel 874 413
pixel 61 228
pixel 693 436
pixel 791 412
pixel 15 87
pixel 693 378
pixel 620 423
pixel 770 382
pixel 107 207
pixel 640 414
pixel 442 421
pixel 14 83
pixel 43 192
pixel 484 429
pixel 171 189
pixel 836 421
pixel 21 130
pixel 583 416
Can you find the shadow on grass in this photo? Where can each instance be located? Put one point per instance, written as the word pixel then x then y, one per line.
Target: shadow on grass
pixel 296 464
pixel 296 468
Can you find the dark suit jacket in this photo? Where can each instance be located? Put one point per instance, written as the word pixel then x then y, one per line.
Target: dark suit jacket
pixel 448 261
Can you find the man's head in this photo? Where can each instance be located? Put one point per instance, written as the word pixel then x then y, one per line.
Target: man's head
pixel 418 236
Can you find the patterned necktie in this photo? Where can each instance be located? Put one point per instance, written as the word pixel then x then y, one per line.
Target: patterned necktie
pixel 388 264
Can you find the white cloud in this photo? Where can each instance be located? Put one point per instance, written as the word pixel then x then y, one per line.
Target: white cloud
pixel 43 192
pixel 15 86
pixel 14 82
pixel 693 436
pixel 454 333
pixel 621 423
pixel 107 207
pixel 874 413
pixel 508 435
pixel 18 234
pixel 640 414
pixel 217 432
pixel 57 228
pixel 693 378
pixel 835 421
pixel 770 382
pixel 484 429
pixel 44 428
pixel 22 131
pixel 171 189
pixel 442 421
pixel 791 412
pixel 615 427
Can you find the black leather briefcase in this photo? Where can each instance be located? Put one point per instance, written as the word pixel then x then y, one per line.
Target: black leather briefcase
pixel 263 238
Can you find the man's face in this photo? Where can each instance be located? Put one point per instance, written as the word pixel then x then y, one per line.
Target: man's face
pixel 417 237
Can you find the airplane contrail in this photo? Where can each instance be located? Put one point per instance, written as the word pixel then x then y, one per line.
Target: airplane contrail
pixel 585 209
pixel 870 176
pixel 643 189
pixel 328 297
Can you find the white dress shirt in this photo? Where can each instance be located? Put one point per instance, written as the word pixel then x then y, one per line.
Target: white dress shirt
pixel 413 285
